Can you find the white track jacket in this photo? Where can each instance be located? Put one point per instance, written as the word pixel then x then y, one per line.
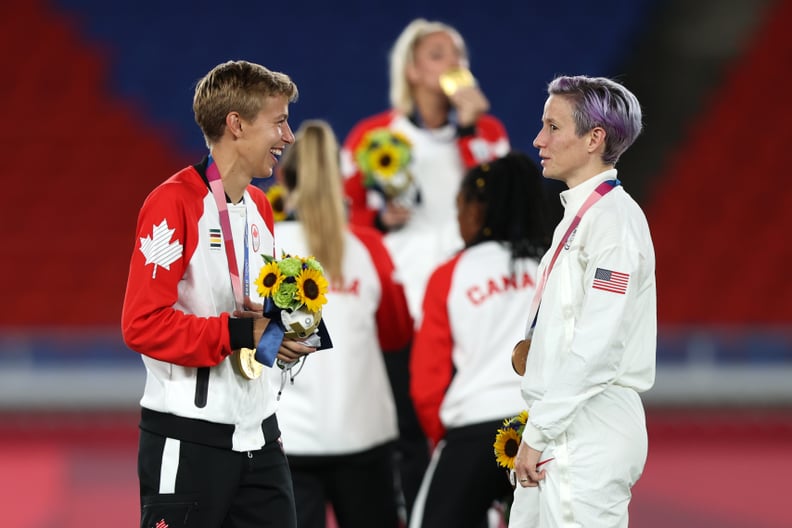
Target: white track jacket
pixel 341 401
pixel 597 323
pixel 474 313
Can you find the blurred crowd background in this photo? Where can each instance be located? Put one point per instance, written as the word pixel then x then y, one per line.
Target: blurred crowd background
pixel 96 107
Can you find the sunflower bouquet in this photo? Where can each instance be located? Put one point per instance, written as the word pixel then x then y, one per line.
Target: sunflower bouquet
pixel 295 287
pixel 383 157
pixel 508 438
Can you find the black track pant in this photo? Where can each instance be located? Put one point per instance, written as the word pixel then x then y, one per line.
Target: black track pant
pixel 462 480
pixel 183 484
pixel 360 487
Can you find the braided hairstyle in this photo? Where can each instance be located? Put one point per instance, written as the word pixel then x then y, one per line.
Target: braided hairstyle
pixel 512 194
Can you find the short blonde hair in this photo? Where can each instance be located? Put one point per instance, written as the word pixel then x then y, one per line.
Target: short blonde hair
pixel 402 54
pixel 239 86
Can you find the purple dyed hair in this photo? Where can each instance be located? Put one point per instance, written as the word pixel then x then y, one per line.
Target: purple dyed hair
pixel 601 102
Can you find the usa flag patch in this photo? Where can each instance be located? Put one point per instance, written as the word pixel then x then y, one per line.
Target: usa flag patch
pixel 611 281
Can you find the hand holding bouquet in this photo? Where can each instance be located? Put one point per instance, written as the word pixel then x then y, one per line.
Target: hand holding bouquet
pixel 508 439
pixel 293 289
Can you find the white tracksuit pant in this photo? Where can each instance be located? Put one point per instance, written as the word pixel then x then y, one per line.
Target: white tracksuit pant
pixel 597 461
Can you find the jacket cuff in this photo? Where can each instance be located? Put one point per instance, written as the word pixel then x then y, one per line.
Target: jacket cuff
pixel 466 131
pixel 534 437
pixel 240 332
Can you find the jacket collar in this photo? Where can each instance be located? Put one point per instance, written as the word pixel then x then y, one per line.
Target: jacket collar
pixel 573 198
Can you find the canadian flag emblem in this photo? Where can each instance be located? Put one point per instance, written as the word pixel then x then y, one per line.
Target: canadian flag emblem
pixel 158 248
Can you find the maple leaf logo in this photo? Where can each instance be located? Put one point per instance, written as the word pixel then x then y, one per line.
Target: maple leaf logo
pixel 158 248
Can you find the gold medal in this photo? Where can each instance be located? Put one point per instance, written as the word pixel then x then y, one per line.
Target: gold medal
pixel 456 78
pixel 246 362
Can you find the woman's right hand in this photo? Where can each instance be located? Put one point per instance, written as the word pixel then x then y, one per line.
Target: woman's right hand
pixel 293 349
pixel 470 103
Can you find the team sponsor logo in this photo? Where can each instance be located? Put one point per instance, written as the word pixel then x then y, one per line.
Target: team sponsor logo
pixel 215 238
pixel 255 236
pixel 480 150
pixel 570 239
pixel 159 249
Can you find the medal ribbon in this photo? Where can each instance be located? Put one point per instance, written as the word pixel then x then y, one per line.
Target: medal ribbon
pixel 601 190
pixel 216 184
pixel 271 339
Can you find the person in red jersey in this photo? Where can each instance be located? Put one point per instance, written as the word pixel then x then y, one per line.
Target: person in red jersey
pixel 462 389
pixel 209 453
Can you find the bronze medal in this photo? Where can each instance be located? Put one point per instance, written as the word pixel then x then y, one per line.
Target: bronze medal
pixel 520 356
pixel 245 360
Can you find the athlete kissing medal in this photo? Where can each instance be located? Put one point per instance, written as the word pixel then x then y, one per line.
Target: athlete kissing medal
pixel 456 78
pixel 248 366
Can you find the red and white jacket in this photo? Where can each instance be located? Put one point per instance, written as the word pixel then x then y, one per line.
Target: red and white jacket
pixel 440 158
pixel 177 310
pixel 341 402
pixel 474 312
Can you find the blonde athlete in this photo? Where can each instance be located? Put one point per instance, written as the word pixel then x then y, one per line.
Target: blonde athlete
pixel 339 419
pixel 209 453
pixel 449 134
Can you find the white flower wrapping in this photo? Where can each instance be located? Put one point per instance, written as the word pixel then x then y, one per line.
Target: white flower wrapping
pixel 300 323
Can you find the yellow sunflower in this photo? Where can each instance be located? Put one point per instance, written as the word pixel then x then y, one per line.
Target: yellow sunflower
pixel 385 160
pixel 277 199
pixel 507 441
pixel 311 289
pixel 269 279
pixel 382 153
